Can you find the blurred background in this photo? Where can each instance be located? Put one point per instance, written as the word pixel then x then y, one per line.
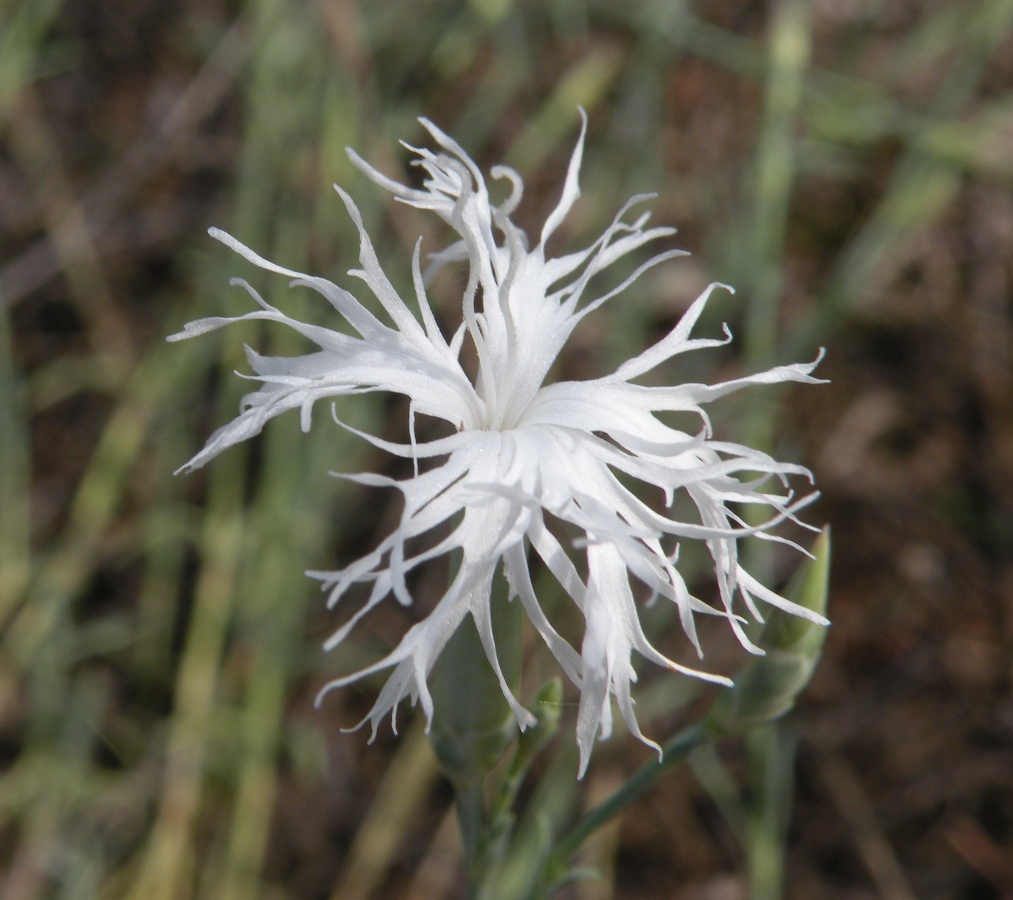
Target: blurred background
pixel 846 164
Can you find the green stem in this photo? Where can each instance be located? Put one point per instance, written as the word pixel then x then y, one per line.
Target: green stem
pixel 771 761
pixel 674 753
pixel 469 798
pixel 473 727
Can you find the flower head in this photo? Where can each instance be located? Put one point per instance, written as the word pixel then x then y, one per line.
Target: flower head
pixel 525 455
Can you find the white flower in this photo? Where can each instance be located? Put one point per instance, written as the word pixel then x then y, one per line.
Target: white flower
pixel 523 449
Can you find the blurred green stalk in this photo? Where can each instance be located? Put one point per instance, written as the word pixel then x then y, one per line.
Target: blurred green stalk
pixel 15 478
pixel 473 726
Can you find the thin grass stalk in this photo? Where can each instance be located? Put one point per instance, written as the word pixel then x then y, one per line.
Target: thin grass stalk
pixel 168 867
pixel 100 492
pixel 15 479
pixel 789 45
pixel 921 186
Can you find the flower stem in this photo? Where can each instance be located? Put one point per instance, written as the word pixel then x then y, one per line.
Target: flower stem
pixel 469 799
pixel 473 726
pixel 674 753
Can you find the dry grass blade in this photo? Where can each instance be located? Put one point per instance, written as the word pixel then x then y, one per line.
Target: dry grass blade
pixel 411 774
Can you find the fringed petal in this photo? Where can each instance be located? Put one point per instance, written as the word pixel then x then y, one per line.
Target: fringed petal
pixel 526 457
